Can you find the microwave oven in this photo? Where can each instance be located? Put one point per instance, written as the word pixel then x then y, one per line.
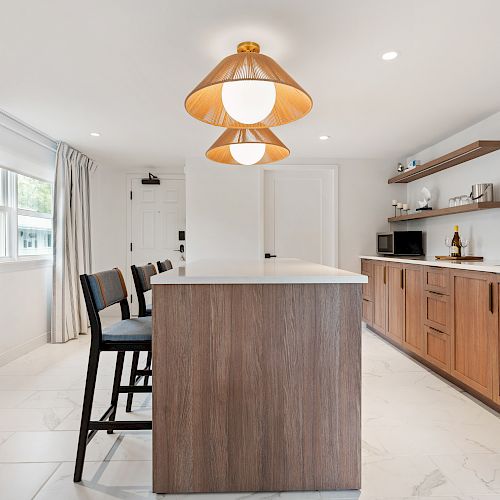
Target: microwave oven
pixel 400 243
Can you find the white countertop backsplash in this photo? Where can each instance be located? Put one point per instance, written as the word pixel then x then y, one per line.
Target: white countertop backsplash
pixel 490 266
pixel 274 270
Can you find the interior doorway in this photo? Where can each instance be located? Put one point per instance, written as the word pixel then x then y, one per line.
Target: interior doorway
pixel 157 223
pixel 300 214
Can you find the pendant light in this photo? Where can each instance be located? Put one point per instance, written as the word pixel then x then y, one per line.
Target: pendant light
pixel 247 147
pixel 248 90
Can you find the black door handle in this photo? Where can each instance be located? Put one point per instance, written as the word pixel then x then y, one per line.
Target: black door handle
pixel 268 255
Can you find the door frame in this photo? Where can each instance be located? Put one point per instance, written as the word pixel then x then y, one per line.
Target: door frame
pixel 132 176
pixel 334 205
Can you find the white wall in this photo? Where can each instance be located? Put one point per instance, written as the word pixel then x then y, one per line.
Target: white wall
pixel 25 286
pixel 25 298
pixel 483 229
pixel 224 208
pixel 223 211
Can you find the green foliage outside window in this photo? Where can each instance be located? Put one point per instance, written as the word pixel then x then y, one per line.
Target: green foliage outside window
pixel 33 194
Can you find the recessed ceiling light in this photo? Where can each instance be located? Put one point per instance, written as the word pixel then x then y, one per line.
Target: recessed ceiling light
pixel 324 137
pixel 95 134
pixel 389 56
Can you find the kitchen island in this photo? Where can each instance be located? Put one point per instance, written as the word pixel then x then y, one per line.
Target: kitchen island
pixel 256 377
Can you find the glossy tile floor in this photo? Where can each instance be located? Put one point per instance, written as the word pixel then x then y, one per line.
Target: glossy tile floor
pixel 422 438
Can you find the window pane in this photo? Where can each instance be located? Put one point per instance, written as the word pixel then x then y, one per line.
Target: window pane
pixel 33 194
pixel 3 187
pixel 34 235
pixel 3 234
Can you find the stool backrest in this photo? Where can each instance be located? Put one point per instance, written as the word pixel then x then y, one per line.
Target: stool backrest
pixel 142 281
pixel 102 290
pixel 164 265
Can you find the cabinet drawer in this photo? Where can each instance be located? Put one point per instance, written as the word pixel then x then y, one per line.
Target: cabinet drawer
pixel 367 311
pixel 437 348
pixel 437 280
pixel 437 311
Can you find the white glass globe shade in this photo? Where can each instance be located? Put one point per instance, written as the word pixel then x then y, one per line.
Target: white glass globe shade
pixel 247 154
pixel 248 101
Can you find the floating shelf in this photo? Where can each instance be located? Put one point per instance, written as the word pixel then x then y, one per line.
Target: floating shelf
pixel 425 214
pixel 474 150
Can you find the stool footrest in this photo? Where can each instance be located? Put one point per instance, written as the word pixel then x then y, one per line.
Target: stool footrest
pixel 121 425
pixel 135 388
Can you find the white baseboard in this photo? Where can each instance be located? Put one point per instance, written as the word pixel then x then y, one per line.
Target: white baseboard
pixel 17 351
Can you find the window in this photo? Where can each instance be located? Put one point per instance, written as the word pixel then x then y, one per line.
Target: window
pixel 34 216
pixel 25 216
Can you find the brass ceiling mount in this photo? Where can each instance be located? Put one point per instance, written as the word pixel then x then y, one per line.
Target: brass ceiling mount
pixel 248 47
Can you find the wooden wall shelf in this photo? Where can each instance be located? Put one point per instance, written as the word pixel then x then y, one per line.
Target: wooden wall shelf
pixel 474 150
pixel 425 214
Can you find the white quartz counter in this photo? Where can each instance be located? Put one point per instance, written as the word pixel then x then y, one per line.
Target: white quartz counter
pixel 255 271
pixel 486 266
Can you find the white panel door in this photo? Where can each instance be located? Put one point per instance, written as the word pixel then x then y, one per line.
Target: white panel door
pixel 298 207
pixel 158 213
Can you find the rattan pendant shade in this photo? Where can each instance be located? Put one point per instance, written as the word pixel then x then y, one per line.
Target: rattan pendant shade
pixel 220 149
pixel 205 101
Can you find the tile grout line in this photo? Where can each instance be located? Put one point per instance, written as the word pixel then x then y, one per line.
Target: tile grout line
pixel 47 480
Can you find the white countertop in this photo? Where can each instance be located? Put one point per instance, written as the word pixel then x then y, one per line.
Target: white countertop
pixel 255 271
pixel 490 266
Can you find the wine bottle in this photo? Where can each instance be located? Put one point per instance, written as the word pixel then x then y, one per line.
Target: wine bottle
pixel 456 247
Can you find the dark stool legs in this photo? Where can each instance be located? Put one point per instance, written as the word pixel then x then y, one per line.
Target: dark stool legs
pixel 148 367
pixel 88 399
pixel 133 379
pixel 116 387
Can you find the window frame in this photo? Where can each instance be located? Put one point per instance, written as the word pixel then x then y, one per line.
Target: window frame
pixel 9 187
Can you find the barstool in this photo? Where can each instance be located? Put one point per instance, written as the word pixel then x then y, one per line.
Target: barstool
pixel 102 290
pixel 164 265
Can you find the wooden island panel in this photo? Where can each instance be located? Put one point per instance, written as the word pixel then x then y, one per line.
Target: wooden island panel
pixel 256 387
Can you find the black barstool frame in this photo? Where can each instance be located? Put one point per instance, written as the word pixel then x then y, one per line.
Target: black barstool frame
pixel 107 422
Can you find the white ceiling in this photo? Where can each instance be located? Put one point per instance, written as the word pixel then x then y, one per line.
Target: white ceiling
pixel 124 67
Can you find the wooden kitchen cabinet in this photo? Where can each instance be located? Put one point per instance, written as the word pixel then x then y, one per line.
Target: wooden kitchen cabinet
pixel 437 311
pixel 475 329
pixel 395 302
pixel 380 296
pixel 447 318
pixel 367 270
pixel 437 348
pixel 496 351
pixel 413 338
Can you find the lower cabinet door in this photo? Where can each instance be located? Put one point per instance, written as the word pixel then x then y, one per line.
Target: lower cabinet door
pixel 475 330
pixel 367 312
pixel 414 301
pixel 496 354
pixel 395 302
pixel 379 296
pixel 437 348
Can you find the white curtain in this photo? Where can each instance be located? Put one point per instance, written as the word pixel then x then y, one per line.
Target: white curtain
pixel 72 254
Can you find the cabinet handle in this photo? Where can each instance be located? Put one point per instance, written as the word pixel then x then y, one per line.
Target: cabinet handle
pixel 402 278
pixel 385 275
pixel 436 331
pixel 490 297
pixel 436 293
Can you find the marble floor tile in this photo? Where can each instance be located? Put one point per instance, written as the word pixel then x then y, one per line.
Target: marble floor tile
pixel 23 481
pixel 13 399
pixel 472 474
pixel 32 420
pixel 53 446
pixel 405 476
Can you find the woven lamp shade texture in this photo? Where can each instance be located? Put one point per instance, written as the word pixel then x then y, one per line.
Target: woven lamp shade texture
pixel 205 101
pixel 220 152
